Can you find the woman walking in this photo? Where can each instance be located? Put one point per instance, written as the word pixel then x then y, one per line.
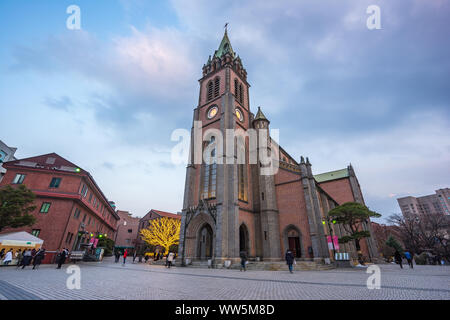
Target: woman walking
pixel 125 253
pixel 19 257
pixel 26 258
pixel 8 258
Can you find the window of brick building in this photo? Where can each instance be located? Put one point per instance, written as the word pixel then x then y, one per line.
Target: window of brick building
pixel 55 182
pixel 36 232
pixel 18 179
pixel 45 207
pixel 77 213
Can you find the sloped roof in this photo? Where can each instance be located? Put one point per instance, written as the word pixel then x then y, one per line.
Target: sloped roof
pixel 47 161
pixel 20 236
pixel 332 175
pixel 167 214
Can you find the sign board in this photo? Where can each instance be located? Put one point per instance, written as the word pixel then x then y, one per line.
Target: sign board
pixel 335 241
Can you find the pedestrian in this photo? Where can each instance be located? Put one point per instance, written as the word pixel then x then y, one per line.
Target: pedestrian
pixel 125 253
pixel 117 255
pixel 146 258
pixel 409 259
pixel 170 258
pixel 243 256
pixel 19 257
pixel 134 255
pixel 26 258
pixel 38 258
pixel 289 260
pixel 2 253
pixel 62 257
pixel 398 258
pixel 8 257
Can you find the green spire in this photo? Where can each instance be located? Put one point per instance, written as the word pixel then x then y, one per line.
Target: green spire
pixel 225 46
pixel 260 115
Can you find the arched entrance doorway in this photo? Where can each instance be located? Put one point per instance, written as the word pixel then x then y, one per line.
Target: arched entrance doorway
pixel 243 239
pixel 205 243
pixel 294 243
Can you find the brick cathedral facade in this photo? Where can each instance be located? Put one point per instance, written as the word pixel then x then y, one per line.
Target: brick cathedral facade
pixel 232 207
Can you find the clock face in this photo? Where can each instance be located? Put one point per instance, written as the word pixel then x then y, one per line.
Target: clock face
pixel 239 114
pixel 212 112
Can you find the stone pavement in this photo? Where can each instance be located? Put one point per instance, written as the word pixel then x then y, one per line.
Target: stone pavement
pixel 107 280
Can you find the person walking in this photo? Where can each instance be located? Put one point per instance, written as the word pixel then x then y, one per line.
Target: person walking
pixel 117 255
pixel 19 257
pixel 134 255
pixel 170 258
pixel 243 256
pixel 408 257
pixel 289 260
pixel 398 258
pixel 38 258
pixel 2 253
pixel 27 257
pixel 125 254
pixel 8 258
pixel 62 257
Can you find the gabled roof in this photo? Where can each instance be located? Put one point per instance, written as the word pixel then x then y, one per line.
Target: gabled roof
pixel 225 46
pixel 161 214
pixel 332 175
pixel 166 214
pixel 50 161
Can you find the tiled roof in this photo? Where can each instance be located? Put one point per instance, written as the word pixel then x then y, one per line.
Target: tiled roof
pixel 167 214
pixel 332 175
pixel 51 161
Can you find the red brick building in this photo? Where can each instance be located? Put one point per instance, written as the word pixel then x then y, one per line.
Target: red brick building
pixel 71 208
pixel 144 222
pixel 127 230
pixel 236 205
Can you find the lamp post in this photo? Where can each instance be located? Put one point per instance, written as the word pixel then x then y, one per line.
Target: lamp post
pixel 327 220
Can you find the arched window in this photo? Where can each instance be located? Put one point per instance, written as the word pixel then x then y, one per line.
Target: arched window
pixel 210 174
pixel 209 93
pixel 216 87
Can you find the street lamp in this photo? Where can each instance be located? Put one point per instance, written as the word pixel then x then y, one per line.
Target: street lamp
pixel 327 220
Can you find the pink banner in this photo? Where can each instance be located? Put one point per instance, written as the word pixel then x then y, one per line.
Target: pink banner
pixel 335 242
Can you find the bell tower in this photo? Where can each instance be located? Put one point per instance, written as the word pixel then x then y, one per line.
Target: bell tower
pixel 213 194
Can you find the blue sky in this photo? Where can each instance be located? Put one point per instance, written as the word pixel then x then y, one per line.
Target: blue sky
pixel 108 96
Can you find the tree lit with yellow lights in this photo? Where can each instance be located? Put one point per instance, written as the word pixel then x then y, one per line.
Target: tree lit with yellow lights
pixel 163 232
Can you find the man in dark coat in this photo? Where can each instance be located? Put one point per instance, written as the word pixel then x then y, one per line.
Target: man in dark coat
pixel 243 256
pixel 62 258
pixel 398 258
pixel 38 258
pixel 289 260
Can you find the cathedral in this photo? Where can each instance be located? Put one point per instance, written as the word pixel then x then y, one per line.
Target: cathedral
pixel 232 206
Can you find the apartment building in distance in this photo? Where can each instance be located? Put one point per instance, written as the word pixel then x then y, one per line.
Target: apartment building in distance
pixel 437 203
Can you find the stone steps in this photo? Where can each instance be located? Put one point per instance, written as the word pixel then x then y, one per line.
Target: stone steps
pixel 269 266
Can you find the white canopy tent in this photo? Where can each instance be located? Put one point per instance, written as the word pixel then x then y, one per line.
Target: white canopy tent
pixel 20 239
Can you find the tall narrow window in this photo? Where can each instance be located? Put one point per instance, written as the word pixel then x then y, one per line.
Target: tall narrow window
pixel 241 94
pixel 209 94
pixel 242 178
pixel 236 88
pixel 216 87
pixel 210 175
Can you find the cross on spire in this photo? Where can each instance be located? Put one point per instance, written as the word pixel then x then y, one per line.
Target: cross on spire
pixel 226 27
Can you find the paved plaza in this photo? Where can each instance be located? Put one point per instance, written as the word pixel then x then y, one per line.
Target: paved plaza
pixel 107 280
